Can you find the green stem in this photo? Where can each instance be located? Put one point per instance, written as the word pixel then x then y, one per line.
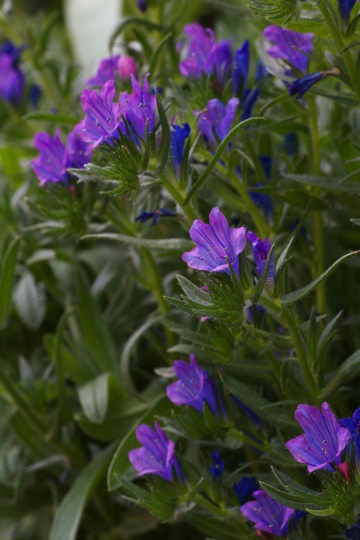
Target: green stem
pixel 318 218
pixel 288 321
pixel 250 205
pixel 179 196
pixel 337 37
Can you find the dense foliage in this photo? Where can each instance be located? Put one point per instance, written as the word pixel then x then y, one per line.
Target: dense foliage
pixel 179 272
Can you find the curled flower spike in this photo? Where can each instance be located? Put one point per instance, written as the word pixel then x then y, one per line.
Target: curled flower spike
pixel 268 515
pixel 156 456
pixel 194 387
pixel 300 86
pixel 323 440
pixel 217 244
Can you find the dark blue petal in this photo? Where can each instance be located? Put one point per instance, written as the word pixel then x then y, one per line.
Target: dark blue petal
pixel 245 487
pixel 300 86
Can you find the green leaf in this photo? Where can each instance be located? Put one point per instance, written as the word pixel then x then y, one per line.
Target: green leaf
pixel 138 22
pixel 171 244
pixel 299 502
pixel 194 293
pixel 56 118
pixel 349 370
pixel 94 397
pixel 165 136
pixel 30 301
pixel 304 291
pixel 222 146
pixel 68 515
pixel 7 277
pixel 325 182
pixel 275 416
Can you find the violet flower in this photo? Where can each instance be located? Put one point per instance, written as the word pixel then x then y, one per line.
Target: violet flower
pixel 240 70
pixel 55 158
pixel 294 47
pixel 194 387
pixel 323 440
pixel 260 249
pixel 244 488
pixel 102 121
pixel 218 465
pixel 353 425
pixel 12 79
pixel 217 119
pixel 217 244
pixel 268 515
pixel 197 47
pixel 156 456
pixel 112 67
pixel 178 134
pixel 156 215
pixel 345 8
pixel 353 532
pixel 302 85
pixel 138 109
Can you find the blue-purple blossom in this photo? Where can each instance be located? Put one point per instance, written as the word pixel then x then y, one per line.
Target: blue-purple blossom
pixel 138 109
pixel 156 456
pixel 259 198
pixel 156 215
pixel 55 158
pixel 300 86
pixel 240 70
pixel 353 532
pixel 345 8
pixel 244 488
pixel 194 387
pixel 261 249
pixel 178 134
pixel 217 119
pixel 217 244
pixel 268 515
pixel 12 79
pixel 353 425
pixel 102 121
pixel 323 440
pixel 219 60
pixel 218 465
pixel 293 47
pixel 142 5
pixel 112 67
pixel 200 52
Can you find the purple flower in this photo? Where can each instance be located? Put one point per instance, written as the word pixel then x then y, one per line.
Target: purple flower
pixel 323 440
pixel 345 8
pixel 156 215
pixel 240 71
pixel 219 60
pixel 55 158
pixel 142 5
pixel 178 134
pixel 300 86
pixel 112 67
pixel 218 465
pixel 156 456
pixel 268 515
pixel 245 488
pixel 353 425
pixel 198 44
pixel 217 244
pixel 12 80
pixel 217 119
pixel 261 250
pixel 102 121
pixel 194 387
pixel 294 47
pixel 138 109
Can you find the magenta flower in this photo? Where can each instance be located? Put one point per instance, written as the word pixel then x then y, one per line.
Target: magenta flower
pixel 268 515
pixel 217 119
pixel 156 456
pixel 199 42
pixel 323 440
pixel 102 121
pixel 194 388
pixel 138 109
pixel 261 250
pixel 294 47
pixel 55 158
pixel 126 67
pixel 217 243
